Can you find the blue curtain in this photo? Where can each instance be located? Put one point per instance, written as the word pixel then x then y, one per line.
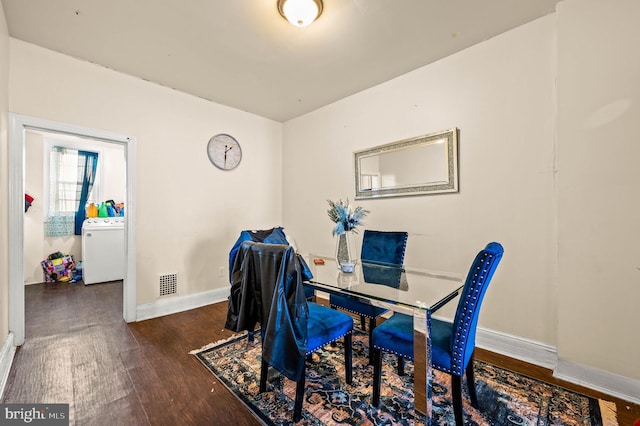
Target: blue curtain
pixel 87 166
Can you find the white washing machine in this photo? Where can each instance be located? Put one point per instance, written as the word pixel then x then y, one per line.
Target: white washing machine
pixel 103 249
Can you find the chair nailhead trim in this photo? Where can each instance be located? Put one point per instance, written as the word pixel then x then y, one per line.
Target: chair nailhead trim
pixel 352 311
pixel 393 352
pixel 467 315
pixel 326 343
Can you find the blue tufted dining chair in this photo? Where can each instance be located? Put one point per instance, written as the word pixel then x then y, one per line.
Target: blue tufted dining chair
pixel 269 279
pixel 452 344
pixel 378 247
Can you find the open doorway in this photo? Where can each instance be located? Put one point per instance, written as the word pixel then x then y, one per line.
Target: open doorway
pixel 20 129
pixel 56 171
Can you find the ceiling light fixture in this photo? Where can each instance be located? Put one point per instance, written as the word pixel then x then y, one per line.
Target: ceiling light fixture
pixel 300 12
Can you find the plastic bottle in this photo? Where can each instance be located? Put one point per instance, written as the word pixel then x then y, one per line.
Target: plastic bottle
pixel 102 210
pixel 92 210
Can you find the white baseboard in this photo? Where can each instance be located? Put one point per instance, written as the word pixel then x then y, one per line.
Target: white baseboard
pixel 610 383
pixel 177 304
pixel 516 347
pixel 547 356
pixel 6 360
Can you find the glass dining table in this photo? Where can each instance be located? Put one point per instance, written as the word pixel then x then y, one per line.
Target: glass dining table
pixel 415 292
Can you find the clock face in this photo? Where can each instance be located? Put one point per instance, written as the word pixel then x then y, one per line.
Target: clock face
pixel 224 151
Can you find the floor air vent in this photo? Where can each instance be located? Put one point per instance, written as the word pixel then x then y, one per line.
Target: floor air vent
pixel 168 284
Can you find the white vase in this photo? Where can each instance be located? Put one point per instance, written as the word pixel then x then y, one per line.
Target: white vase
pixel 346 251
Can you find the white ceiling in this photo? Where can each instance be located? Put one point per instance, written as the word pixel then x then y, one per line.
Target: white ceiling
pixel 243 54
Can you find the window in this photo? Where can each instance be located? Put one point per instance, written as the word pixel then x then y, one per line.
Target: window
pixel 71 185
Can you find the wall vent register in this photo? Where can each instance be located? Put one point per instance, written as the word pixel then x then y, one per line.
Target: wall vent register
pixel 168 284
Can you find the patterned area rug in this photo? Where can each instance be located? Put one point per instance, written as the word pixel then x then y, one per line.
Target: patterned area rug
pixel 505 397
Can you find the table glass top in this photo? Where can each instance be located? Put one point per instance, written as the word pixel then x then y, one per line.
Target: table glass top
pixel 412 288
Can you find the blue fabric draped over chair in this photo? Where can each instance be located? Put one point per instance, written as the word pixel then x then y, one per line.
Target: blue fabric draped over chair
pixel 268 236
pixel 452 344
pixel 267 289
pixel 274 235
pixel 378 247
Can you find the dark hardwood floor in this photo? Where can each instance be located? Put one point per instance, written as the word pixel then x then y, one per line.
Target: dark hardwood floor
pixel 79 351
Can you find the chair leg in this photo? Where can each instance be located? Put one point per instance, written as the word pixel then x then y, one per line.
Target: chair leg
pixel 297 405
pixel 372 325
pixel 456 396
pixel 333 344
pixel 400 366
pixel 377 376
pixel 264 373
pixel 471 384
pixel 348 356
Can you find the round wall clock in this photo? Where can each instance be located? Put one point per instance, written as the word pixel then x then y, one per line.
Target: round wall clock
pixel 224 151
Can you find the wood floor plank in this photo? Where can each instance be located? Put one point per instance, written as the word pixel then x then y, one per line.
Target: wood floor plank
pixel 78 350
pixel 97 374
pixel 47 376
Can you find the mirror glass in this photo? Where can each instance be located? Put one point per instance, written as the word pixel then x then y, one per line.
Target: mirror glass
pixel 422 165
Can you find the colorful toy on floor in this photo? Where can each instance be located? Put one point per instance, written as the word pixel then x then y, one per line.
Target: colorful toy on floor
pixel 58 267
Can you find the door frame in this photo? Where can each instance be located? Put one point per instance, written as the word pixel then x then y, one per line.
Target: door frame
pixel 18 125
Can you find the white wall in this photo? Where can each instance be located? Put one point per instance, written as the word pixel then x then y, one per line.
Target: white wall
pixel 599 184
pixel 112 170
pixel 501 96
pixel 552 175
pixel 4 177
pixel 188 212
